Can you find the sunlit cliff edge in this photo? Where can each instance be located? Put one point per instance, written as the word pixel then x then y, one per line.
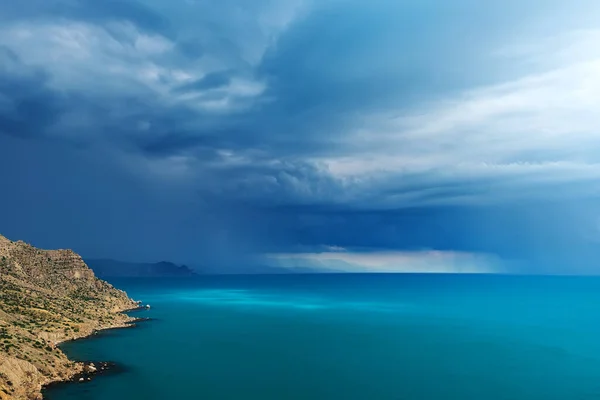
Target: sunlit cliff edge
pixel 46 297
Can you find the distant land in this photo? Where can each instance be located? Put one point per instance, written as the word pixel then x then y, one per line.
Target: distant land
pixel 107 268
pixel 47 297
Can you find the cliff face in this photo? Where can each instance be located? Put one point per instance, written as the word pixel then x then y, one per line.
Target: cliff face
pixel 48 296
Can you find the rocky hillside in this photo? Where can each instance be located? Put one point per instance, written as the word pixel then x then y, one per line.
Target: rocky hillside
pixel 46 297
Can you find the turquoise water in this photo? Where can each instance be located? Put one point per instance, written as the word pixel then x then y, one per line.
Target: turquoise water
pixel 399 337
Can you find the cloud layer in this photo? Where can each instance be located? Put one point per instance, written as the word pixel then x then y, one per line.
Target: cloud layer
pixel 267 126
pixel 390 262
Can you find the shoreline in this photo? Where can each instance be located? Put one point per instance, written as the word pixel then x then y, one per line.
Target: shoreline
pixel 98 332
pixel 86 370
pixel 91 369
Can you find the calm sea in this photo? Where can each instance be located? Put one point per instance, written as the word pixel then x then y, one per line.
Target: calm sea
pixel 401 337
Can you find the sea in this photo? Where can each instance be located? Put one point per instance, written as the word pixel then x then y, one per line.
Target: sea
pixel 347 336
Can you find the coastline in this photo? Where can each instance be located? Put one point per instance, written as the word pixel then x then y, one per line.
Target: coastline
pixel 48 297
pixel 86 370
pixel 129 322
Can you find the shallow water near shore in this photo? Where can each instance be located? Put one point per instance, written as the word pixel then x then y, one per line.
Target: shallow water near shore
pixel 400 337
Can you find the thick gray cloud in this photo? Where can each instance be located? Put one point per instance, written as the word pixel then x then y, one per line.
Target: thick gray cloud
pixel 203 132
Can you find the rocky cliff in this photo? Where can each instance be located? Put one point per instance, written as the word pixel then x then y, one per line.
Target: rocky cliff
pixel 46 297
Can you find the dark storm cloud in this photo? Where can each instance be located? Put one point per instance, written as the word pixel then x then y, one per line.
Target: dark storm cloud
pixel 27 106
pixel 171 143
pixel 273 126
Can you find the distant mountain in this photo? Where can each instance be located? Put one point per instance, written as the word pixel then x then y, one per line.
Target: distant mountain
pixel 120 269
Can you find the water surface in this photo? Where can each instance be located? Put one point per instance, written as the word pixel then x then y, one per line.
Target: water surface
pixel 401 337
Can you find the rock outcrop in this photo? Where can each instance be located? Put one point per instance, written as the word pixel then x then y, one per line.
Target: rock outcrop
pixel 46 297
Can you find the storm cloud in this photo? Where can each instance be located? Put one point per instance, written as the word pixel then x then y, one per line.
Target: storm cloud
pixel 205 132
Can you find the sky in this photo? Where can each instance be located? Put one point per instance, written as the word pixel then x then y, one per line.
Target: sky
pixel 428 136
